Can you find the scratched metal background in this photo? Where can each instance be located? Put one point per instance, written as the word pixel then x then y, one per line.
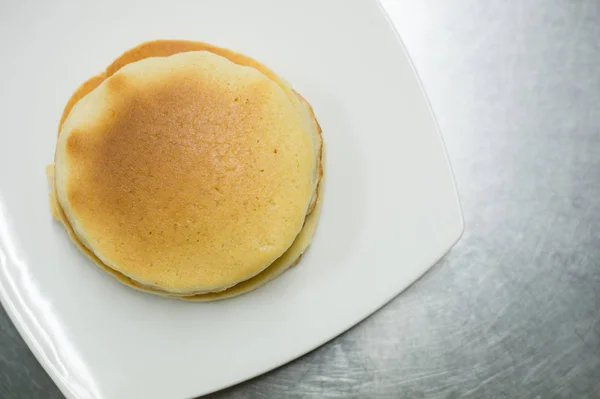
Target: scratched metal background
pixel 514 310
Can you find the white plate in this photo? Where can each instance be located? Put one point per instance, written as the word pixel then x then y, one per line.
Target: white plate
pixel 390 211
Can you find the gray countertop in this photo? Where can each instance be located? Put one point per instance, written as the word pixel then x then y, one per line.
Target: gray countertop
pixel 513 311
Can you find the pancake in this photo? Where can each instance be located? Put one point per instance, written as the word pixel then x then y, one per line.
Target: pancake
pixel 188 172
pixel 110 191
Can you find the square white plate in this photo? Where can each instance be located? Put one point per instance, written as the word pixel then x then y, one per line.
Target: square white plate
pixel 390 212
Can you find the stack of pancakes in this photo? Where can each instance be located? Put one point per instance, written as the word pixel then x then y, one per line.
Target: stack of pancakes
pixel 188 170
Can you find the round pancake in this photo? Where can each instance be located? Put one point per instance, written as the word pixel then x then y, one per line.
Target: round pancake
pixel 166 48
pixel 167 204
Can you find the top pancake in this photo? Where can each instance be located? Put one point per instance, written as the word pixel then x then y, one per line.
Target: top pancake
pixel 189 173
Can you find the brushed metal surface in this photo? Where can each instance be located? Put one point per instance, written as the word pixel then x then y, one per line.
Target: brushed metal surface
pixel 513 311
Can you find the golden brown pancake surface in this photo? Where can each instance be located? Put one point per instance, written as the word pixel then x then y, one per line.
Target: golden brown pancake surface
pixel 177 175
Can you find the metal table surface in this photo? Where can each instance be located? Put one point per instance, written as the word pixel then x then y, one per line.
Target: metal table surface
pixel 513 311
